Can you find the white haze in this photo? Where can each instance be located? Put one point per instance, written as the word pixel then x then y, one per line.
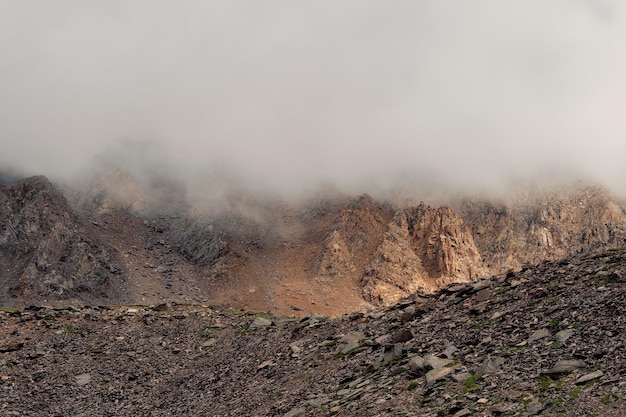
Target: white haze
pixel 293 93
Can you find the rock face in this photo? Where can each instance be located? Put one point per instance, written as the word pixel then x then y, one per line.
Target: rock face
pixel 336 259
pixel 424 249
pixel 442 241
pixel 549 225
pixel 47 252
pixel 395 271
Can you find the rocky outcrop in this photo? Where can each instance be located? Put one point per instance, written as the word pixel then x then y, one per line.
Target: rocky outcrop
pixel 424 249
pixel 548 225
pixel 199 241
pixel 395 270
pixel 362 223
pixel 47 252
pixel 444 243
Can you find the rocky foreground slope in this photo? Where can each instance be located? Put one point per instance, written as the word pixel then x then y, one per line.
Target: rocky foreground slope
pixel 548 340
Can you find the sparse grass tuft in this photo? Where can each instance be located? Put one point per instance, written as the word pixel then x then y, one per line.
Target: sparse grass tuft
pixel 70 329
pixel 575 393
pixel 471 383
pixel 480 324
pixel 544 383
pixel 243 330
pixel 264 315
pixel 608 397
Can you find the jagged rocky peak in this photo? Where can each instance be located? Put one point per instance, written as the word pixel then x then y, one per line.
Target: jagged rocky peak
pixel 46 250
pixel 424 248
pixel 439 236
pixel 395 270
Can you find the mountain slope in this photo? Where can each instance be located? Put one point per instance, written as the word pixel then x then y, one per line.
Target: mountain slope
pixel 48 253
pixel 547 340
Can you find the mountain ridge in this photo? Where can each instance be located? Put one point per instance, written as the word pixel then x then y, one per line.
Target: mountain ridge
pixel 328 255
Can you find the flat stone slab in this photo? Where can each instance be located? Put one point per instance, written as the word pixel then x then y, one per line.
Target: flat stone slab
pixel 564 366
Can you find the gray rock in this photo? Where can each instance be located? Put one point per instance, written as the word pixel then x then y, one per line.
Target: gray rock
pixel 295 349
pixel 261 322
pixel 393 351
pixel 483 295
pixel 505 408
pixel 450 351
pixel 538 334
pixel 294 412
pixel 435 375
pixel 461 377
pixel 534 407
pixel 209 342
pixel 590 377
pixel 416 363
pixel 401 336
pixel 563 335
pixel 345 348
pixel 491 365
pixel 352 337
pixel 318 402
pixel 564 366
pixel 433 362
pixel 83 379
pixel 462 413
pixel 480 285
pixel 266 364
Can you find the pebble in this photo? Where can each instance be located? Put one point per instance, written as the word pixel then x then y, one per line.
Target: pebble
pixel 83 379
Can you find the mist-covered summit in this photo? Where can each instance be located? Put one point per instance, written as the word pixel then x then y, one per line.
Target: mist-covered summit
pixel 150 240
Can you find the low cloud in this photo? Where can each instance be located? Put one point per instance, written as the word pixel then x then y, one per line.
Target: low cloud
pixel 290 94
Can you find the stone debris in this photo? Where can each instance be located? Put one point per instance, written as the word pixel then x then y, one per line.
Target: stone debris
pixel 426 356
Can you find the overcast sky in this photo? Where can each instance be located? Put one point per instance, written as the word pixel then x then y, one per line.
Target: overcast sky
pixel 300 91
